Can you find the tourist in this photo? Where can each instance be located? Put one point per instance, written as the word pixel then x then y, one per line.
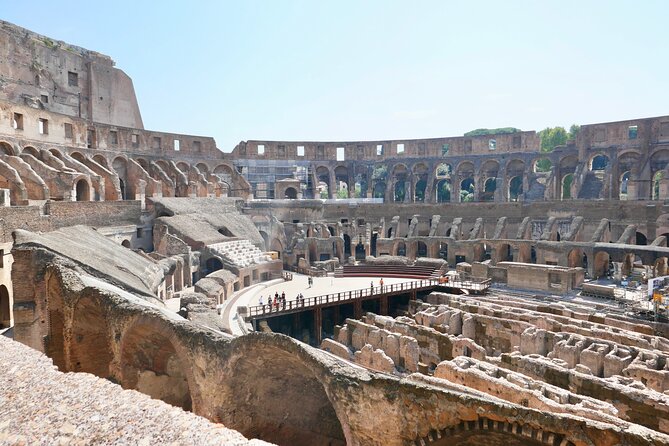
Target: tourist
pixel 372 287
pixel 381 284
pixel 269 303
pixel 260 302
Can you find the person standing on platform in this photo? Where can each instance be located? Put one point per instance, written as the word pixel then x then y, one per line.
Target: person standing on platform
pixel 381 284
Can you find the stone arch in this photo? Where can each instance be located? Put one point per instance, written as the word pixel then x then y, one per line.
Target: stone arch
pixel 160 163
pixel 489 188
pixel 153 363
pixel 566 186
pixel 101 160
pixel 7 149
pixel 467 190
pixel 504 253
pixel 379 190
pixel 120 166
pixel 78 156
pixel 213 264
pixel 5 308
pixel 484 431
pixel 203 168
pixel 126 244
pixel 443 190
pixel 420 172
pixel 598 162
pixel 30 150
pixel 401 249
pixel 515 188
pixel 624 180
pixel 183 166
pixel 82 190
pixel 223 169
pixel 542 165
pixel 601 264
pixel 657 179
pixel 57 153
pixel 399 177
pixel 323 179
pixel 576 258
pixel 90 349
pixel 342 180
pixel 421 249
pixel 399 192
pixel 290 193
pixel 641 238
pixel 307 417
pixel 444 170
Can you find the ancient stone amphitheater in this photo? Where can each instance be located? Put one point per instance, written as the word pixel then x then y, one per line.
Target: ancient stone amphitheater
pixel 515 308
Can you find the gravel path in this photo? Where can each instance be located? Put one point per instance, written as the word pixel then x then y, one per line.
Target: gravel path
pixel 41 406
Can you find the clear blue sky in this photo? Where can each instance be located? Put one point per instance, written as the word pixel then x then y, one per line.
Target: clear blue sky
pixel 360 70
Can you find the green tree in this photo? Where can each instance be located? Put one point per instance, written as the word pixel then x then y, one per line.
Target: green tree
pixel 499 131
pixel 573 131
pixel 552 137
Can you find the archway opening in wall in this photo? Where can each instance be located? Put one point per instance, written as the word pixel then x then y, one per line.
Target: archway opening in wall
pixel 489 188
pixel 6 149
pixel 443 251
pixel 599 162
pixel 101 160
pixel 401 249
pixel 122 187
pixel 567 181
pixel 448 232
pixel 126 244
pixel 419 196
pixel 641 238
pixel 306 417
pixel 657 178
pixel 359 251
pixel 485 432
pixel 601 265
pixel 151 365
pixel 5 309
pixel 421 249
pixel 399 192
pixel 390 232
pixel 443 191
pixel 291 193
pixel 347 246
pixel 379 189
pixel 575 258
pixel 213 264
pixel 504 253
pixel 202 167
pixel 183 167
pixel 542 165
pixel 83 192
pixel 624 180
pixel 30 150
pixel 276 246
pixel 372 245
pixel 90 344
pixel 323 179
pixel 515 188
pixel 467 190
pixel 533 255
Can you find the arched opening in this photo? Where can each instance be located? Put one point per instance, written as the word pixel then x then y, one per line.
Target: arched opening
pixel 83 191
pixel 419 196
pixel 291 193
pixel 641 238
pixel 401 249
pixel 487 432
pixel 276 246
pixel 542 165
pixel 567 181
pixel 225 231
pixel 202 167
pixel 347 246
pixel 121 185
pixel 489 188
pixel 399 192
pixel 307 416
pixel 576 258
pixel 379 190
pixel 601 265
pixel 657 178
pixel 533 255
pixel 150 364
pixel 126 244
pixel 599 162
pixel 444 191
pixel 359 251
pixel 5 308
pixel 467 190
pixel 504 253
pixel 120 166
pixel 90 344
pixel 443 251
pixel 101 160
pixel 213 264
pixel 183 167
pixel 515 188
pixel 624 179
pixel 30 150
pixel 342 181
pixel 6 148
pixel 323 177
pixel 390 232
pixel 421 249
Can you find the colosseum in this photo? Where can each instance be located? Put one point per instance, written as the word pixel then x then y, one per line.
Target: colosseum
pixel 466 290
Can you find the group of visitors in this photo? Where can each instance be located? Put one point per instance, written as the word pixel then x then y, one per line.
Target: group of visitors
pixel 278 301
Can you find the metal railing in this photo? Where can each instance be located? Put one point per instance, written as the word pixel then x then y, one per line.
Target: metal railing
pixel 343 296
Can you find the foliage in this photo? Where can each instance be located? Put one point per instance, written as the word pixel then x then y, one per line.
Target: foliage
pixel 380 172
pixel 342 193
pixel 552 137
pixel 499 131
pixel 467 194
pixel 573 131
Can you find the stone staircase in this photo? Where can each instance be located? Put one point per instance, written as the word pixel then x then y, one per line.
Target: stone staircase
pixel 241 253
pixel 592 185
